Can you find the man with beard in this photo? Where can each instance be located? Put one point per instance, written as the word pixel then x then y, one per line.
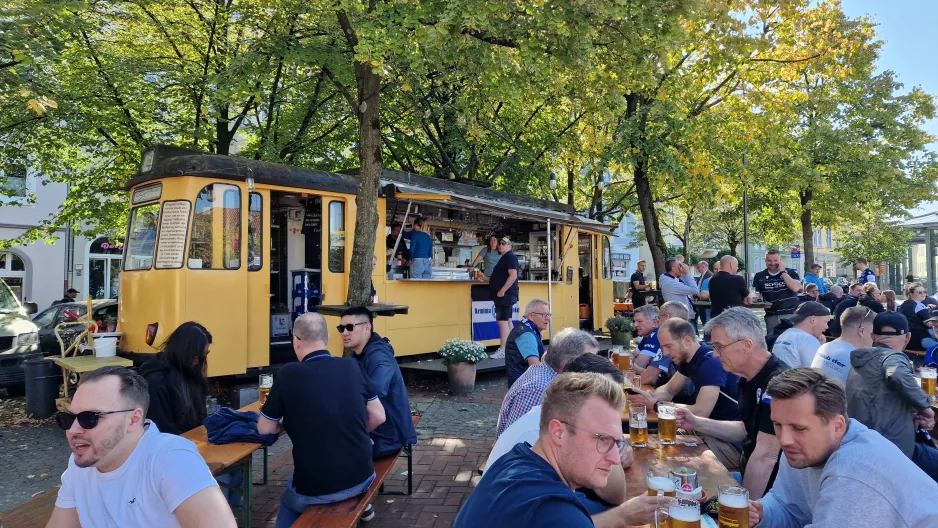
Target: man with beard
pixel 123 471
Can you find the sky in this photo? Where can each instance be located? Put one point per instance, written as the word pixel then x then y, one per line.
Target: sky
pixel 910 31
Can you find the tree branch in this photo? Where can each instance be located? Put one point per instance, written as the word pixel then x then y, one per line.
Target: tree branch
pixel 342 89
pixel 787 61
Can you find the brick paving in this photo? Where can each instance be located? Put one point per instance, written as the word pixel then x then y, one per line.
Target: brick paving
pixel 455 434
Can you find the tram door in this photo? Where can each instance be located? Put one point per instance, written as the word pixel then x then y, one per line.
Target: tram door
pixel 586 279
pixel 258 278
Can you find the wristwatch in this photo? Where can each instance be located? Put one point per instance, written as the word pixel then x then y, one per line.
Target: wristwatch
pixel 655 406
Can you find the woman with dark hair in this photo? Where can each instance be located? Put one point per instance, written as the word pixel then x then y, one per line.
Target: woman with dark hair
pixel 889 297
pixel 177 380
pixel 489 255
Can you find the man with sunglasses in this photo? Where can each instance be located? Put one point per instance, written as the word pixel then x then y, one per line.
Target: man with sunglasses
pixel 579 442
pixel 833 358
pixel 524 347
pixel 328 407
pixel 123 471
pixel 883 394
pixel 503 286
pixel 377 356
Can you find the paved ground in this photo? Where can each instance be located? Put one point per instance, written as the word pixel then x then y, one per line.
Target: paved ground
pixel 455 435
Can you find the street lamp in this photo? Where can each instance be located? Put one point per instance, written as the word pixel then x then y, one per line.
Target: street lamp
pixel 746 217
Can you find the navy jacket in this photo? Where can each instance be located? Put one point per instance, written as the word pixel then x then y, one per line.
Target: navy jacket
pixel 228 425
pixel 384 373
pixel 515 362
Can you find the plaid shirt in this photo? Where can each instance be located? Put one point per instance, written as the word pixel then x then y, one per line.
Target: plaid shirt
pixel 524 394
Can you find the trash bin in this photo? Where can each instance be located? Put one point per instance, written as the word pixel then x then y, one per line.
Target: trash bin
pixel 42 386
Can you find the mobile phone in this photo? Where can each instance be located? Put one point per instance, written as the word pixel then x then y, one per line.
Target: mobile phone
pixel 630 390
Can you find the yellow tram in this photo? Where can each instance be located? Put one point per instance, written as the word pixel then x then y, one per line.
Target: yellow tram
pixel 242 246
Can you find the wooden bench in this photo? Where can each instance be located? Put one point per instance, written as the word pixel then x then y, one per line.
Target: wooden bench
pixel 915 352
pixel 33 514
pixel 346 514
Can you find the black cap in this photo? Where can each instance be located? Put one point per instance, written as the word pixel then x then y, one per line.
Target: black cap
pixel 894 320
pixel 809 309
pixel 932 316
pixel 815 266
pixel 72 290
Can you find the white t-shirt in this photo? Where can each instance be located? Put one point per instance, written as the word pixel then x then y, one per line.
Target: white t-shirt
pixel 796 347
pixel 834 359
pixel 162 472
pixel 524 429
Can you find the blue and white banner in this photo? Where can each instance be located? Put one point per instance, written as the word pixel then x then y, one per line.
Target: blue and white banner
pixel 484 326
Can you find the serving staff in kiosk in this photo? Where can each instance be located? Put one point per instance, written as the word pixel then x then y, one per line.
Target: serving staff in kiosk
pixel 421 250
pixel 503 285
pixel 489 255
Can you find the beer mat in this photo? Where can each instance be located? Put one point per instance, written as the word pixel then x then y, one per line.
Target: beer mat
pixel 690 444
pixel 707 522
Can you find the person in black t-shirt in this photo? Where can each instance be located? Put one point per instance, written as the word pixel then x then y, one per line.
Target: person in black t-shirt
pixel 328 407
pixel 638 286
pixel 777 285
pixel 727 289
pixel 503 286
pixel 748 358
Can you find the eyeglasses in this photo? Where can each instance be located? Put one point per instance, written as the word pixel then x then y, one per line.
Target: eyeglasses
pixel 720 348
pixel 545 314
pixel 349 327
pixel 604 443
pixel 504 244
pixel 86 419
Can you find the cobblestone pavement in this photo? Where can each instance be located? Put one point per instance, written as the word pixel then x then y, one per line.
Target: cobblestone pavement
pixel 32 459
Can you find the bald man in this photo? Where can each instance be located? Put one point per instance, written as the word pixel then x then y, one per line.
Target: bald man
pixel 727 289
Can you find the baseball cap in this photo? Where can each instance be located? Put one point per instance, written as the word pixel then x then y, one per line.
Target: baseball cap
pixel 815 266
pixel 932 316
pixel 506 240
pixel 809 309
pixel 894 320
pixel 72 290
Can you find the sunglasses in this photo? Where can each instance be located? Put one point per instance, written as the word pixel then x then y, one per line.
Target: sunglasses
pixel 349 327
pixel 86 419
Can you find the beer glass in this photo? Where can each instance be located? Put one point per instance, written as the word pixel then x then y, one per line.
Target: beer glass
pixel 661 483
pixel 614 356
pixel 734 507
pixel 684 513
pixel 637 381
pixel 662 519
pixel 667 423
pixel 638 426
pixel 625 360
pixel 928 381
pixel 266 382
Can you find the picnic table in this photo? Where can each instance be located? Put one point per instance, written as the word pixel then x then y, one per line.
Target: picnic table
pixel 650 415
pixel 388 310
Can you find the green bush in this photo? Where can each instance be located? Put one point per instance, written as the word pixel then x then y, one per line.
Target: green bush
pixel 619 324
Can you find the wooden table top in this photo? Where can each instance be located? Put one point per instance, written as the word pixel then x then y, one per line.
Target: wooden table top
pixel 710 472
pixel 82 364
pixel 650 415
pixel 388 310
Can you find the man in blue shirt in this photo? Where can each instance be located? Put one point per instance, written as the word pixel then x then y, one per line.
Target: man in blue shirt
pixel 580 439
pixel 813 277
pixel 524 347
pixel 651 363
pixel 866 274
pixel 503 285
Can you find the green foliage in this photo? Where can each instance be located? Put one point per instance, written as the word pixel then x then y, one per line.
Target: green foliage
pixel 461 350
pixel 876 240
pixel 619 323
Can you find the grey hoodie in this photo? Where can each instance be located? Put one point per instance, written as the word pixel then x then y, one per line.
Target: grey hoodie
pixel 866 482
pixel 883 395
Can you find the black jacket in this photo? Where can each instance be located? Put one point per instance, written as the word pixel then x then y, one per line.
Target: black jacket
pixel 916 323
pixel 167 406
pixel 848 301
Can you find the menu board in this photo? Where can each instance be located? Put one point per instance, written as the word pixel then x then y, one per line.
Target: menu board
pixel 174 225
pixel 312 220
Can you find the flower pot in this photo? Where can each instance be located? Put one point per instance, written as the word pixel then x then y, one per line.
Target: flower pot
pixel 620 338
pixel 462 377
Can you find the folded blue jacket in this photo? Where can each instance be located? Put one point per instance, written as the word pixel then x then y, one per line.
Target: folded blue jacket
pixel 228 426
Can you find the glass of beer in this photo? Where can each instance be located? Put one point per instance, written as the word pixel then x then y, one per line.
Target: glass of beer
pixel 662 519
pixel 929 375
pixel 266 382
pixel 638 426
pixel 667 423
pixel 684 513
pixel 614 356
pixel 734 507
pixel 661 483
pixel 625 360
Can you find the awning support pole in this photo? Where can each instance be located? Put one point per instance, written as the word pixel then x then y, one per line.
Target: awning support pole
pixel 550 274
pixel 401 233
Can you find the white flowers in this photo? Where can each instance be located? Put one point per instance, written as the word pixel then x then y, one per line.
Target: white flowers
pixel 457 350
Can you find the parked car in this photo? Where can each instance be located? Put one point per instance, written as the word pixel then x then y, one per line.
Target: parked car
pixel 103 310
pixel 19 339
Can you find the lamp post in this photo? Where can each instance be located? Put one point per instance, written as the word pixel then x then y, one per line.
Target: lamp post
pixel 746 218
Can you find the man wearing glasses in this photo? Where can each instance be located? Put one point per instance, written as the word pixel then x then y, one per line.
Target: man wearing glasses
pixel 524 347
pixel 123 471
pixel 739 345
pixel 377 356
pixel 856 332
pixel 579 442
pixel 328 406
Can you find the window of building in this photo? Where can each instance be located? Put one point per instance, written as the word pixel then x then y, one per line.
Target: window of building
pixel 14 182
pixel 141 239
pixel 255 234
pixel 829 237
pixel 104 266
pixel 12 272
pixel 336 237
pixel 216 228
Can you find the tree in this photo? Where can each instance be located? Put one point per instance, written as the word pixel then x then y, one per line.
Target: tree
pixel 876 240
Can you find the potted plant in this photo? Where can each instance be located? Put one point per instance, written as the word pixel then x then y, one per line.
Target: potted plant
pixel 460 357
pixel 621 329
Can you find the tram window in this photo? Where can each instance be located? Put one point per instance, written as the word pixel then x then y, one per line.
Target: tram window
pixel 255 237
pixel 336 237
pixel 607 259
pixel 216 228
pixel 142 237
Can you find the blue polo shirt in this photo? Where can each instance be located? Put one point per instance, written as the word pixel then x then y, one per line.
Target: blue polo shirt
pixel 866 275
pixel 651 348
pixel 521 489
pixel 421 244
pixel 705 370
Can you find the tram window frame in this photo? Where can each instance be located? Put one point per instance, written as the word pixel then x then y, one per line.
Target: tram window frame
pixel 132 242
pixel 227 188
pixel 259 250
pixel 607 258
pixel 331 248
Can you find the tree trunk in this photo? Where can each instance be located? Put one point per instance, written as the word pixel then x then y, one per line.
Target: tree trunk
pixel 686 240
pixel 659 250
pixel 807 229
pixel 570 186
pixel 369 155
